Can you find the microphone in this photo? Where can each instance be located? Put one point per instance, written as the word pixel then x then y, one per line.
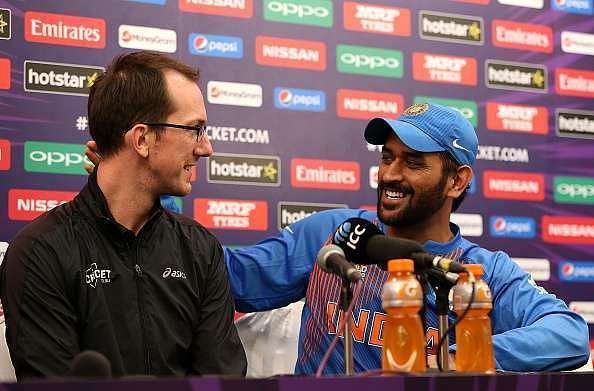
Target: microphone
pixel 331 259
pixel 90 364
pixel 363 243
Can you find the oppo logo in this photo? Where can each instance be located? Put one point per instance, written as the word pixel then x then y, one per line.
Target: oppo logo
pixel 299 10
pixel 53 157
pixel 371 62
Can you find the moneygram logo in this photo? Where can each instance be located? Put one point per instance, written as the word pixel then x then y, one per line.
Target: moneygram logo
pixel 439 26
pixel 522 36
pixel 325 174
pixel 4 155
pixel 56 78
pixel 292 212
pixel 470 224
pixel 576 271
pixel 298 99
pixel 578 43
pixel 67 30
pixel 574 123
pixel 232 8
pixel 215 45
pixel 244 169
pixel 512 227
pixel 290 53
pixel 573 190
pixel 516 76
pixel 363 60
pixel 147 38
pixel 508 117
pixel 574 82
pixel 567 229
pixel 4 74
pixel 234 94
pixel 372 18
pixel 438 68
pixel 538 4
pixel 55 158
pixel 467 108
pixel 359 104
pixel 26 205
pixel 308 12
pixel 513 185
pixel 5 23
pixel 584 7
pixel 231 214
pixel 538 268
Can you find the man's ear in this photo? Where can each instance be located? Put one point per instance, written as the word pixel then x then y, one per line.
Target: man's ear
pixel 460 181
pixel 140 139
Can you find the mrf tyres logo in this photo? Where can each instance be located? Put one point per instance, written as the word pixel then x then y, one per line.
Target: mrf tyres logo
pixel 292 212
pixel 307 12
pixel 363 60
pixel 244 169
pixel 57 78
pixel 451 27
pixel 299 99
pixel 575 123
pixel 231 214
pixel 509 117
pixel 516 76
pixel 94 275
pixel 439 68
pixel 573 190
pixel 373 18
pixel 55 158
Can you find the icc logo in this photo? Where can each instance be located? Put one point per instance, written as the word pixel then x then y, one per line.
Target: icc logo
pixel 200 43
pixel 285 97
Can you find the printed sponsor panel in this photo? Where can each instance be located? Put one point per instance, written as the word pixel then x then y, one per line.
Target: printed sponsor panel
pixel 440 26
pixel 574 82
pixel 306 12
pixel 364 60
pixel 584 7
pixel 147 38
pixel 5 73
pixel 583 308
pixel 471 224
pixel 576 271
pixel 299 99
pixel 510 185
pixel 508 75
pixel 574 123
pixel 28 204
pixel 291 212
pixel 508 117
pixel 4 155
pixel 441 68
pixel 55 158
pixel 468 108
pixel 538 4
pixel 239 169
pixel 538 268
pixel 359 104
pixel 232 8
pixel 211 45
pixel 512 227
pixel 573 190
pixel 57 78
pixel 567 229
pixel 376 18
pixel 578 43
pixel 234 94
pixel 290 53
pixel 522 36
pixel 67 30
pixel 325 174
pixel 5 23
pixel 231 214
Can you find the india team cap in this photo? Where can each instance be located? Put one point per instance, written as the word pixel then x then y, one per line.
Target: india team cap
pixel 428 127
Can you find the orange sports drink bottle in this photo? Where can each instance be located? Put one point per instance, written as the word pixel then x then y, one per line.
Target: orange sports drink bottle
pixel 404 340
pixel 474 345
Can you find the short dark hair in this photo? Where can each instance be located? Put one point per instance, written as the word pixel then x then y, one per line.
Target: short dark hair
pixel 450 166
pixel 132 90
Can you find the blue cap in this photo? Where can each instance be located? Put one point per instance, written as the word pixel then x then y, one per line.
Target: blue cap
pixel 428 127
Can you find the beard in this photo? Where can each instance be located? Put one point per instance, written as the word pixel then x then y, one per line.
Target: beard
pixel 426 204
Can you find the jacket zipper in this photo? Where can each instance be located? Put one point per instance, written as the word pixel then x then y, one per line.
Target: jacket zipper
pixel 147 354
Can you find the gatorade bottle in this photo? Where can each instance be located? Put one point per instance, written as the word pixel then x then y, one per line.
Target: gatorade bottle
pixel 404 340
pixel 474 345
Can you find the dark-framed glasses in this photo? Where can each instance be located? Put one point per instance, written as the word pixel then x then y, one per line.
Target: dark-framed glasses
pixel 199 130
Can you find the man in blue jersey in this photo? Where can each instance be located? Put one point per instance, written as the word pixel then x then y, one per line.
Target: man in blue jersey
pixel 424 171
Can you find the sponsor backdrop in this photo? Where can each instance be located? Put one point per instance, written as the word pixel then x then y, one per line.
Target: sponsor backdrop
pixel 290 85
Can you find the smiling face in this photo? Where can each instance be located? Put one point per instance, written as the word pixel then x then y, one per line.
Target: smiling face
pixel 411 185
pixel 176 151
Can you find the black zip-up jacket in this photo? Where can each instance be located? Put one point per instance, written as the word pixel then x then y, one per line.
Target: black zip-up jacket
pixel 157 303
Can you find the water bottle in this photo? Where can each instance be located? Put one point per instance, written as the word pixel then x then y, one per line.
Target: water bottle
pixel 404 340
pixel 474 345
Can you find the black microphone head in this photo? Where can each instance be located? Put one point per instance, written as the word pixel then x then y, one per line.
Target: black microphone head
pixel 90 364
pixel 325 252
pixel 352 237
pixel 381 249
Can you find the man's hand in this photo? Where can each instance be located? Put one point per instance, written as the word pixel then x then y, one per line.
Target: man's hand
pixel 432 361
pixel 92 155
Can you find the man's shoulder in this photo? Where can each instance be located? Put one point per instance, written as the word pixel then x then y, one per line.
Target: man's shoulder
pixel 188 226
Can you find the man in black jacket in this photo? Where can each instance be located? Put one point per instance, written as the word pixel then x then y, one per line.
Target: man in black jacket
pixel 112 271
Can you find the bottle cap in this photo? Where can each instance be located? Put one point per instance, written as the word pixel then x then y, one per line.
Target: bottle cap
pixel 401 265
pixel 475 268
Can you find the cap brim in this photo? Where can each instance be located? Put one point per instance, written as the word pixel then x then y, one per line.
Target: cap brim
pixel 378 129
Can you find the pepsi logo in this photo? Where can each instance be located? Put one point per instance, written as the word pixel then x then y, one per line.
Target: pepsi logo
pixel 568 269
pixel 200 43
pixel 285 96
pixel 499 224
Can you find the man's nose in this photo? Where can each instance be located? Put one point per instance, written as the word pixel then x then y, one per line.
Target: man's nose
pixel 203 146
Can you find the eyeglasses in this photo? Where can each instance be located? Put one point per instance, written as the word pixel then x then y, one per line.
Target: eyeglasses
pixel 199 130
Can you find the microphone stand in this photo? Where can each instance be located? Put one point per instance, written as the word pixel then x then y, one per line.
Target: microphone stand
pixel 441 286
pixel 346 296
